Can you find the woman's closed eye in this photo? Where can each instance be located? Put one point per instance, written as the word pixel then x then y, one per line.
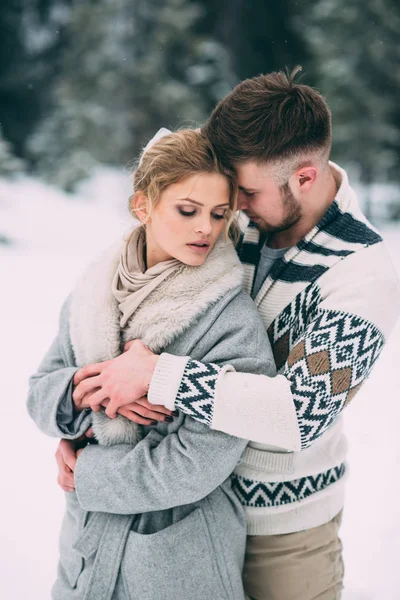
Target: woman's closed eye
pixel 219 216
pixel 191 213
pixel 187 213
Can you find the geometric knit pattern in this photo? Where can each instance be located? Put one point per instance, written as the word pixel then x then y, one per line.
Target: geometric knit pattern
pixel 326 360
pixel 289 326
pixel 348 232
pixel 263 494
pixel 327 367
pixel 196 391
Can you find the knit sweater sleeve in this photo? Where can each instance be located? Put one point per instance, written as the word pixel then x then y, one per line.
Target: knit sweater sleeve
pixel 342 322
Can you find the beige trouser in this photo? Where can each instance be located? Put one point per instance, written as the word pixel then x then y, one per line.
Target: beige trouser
pixel 306 565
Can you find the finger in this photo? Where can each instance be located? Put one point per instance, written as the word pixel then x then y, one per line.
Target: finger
pixel 159 408
pixel 86 386
pixel 95 400
pixel 78 377
pixel 89 433
pixel 135 418
pixel 142 411
pixel 67 450
pixel 66 488
pixel 112 408
pixel 88 371
pixel 127 345
pixel 66 481
pixel 105 402
pixel 62 466
pixel 85 402
pixel 70 462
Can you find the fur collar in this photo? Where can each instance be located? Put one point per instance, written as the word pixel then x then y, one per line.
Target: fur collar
pixel 164 315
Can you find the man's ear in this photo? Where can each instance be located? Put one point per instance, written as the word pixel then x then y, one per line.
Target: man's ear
pixel 305 178
pixel 139 206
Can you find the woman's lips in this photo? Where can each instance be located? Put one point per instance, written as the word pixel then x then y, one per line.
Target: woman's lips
pixel 199 247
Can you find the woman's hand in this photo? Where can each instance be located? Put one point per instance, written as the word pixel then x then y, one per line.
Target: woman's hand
pixel 118 382
pixel 144 413
pixel 66 456
pixel 81 402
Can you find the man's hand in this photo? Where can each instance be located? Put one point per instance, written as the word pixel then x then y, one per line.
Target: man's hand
pixel 66 455
pixel 117 382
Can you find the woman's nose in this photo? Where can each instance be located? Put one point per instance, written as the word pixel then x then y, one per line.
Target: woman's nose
pixel 204 226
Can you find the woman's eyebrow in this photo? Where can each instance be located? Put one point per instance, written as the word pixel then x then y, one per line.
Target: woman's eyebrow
pixel 190 200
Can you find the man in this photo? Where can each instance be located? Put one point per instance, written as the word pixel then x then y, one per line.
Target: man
pixel 326 290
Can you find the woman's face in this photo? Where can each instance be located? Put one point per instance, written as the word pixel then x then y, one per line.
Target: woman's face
pixel 188 219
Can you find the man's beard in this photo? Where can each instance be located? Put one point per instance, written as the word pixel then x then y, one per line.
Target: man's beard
pixel 292 213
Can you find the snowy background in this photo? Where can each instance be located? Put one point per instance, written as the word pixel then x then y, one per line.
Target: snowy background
pixel 53 235
pixel 85 84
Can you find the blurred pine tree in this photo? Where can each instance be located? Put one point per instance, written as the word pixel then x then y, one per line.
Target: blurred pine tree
pixel 130 68
pixel 31 39
pixel 357 55
pixel 260 36
pixel 10 165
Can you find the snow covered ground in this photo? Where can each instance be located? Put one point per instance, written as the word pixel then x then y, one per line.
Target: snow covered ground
pixel 54 236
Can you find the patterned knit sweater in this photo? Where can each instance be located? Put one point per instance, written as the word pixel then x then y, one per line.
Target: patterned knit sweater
pixel 329 305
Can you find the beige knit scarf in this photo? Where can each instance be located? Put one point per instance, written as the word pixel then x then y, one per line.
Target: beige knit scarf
pixel 132 282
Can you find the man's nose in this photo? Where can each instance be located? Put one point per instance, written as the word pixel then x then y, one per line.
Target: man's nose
pixel 243 202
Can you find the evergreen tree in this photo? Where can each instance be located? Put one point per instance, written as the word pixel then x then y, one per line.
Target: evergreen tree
pixel 130 68
pixel 10 165
pixel 180 70
pixel 12 60
pixel 89 122
pixel 356 46
pixel 260 35
pixel 30 44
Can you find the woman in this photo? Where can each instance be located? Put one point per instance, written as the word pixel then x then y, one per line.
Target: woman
pixel 154 516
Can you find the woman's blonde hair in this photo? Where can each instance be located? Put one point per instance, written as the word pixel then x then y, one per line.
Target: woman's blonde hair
pixel 175 157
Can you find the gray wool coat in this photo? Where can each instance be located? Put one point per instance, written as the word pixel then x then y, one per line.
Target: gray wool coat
pixel 157 520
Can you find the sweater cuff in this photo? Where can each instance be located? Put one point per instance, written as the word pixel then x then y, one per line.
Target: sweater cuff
pixel 166 380
pixel 196 393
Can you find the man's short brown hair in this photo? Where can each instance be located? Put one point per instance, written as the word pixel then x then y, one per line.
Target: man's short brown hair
pixel 270 118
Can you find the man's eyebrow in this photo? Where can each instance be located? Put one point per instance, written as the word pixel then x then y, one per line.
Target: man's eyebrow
pixel 200 204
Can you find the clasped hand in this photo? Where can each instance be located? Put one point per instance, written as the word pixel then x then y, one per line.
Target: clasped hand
pixel 120 385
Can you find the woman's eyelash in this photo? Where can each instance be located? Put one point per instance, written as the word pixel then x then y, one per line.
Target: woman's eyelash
pixel 191 213
pixel 187 213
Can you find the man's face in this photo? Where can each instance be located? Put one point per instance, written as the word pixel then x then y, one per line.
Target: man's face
pixel 271 207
